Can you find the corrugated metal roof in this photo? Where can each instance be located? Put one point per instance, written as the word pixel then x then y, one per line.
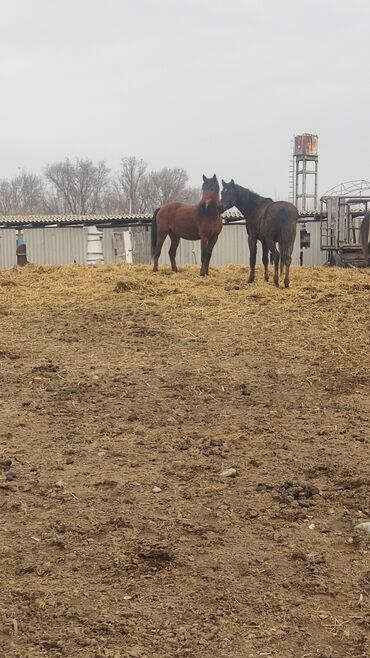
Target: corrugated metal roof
pixel 70 219
pixel 143 218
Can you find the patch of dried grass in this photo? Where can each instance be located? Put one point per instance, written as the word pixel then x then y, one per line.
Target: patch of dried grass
pixel 325 311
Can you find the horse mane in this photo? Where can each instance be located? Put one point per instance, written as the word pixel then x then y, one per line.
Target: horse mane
pixel 209 210
pixel 249 199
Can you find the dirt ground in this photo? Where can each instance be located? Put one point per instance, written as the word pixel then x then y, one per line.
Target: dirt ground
pixel 183 463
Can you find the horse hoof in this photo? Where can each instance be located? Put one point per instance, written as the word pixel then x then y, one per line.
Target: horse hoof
pixel 286 284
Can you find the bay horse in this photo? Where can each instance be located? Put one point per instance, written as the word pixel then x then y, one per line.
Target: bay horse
pixel 268 221
pixel 365 237
pixel 201 221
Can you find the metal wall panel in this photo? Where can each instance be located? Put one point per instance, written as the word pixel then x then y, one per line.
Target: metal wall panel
pixel 232 248
pixel 126 245
pixel 114 246
pixel 56 246
pixel 141 244
pixel 8 246
pixel 109 254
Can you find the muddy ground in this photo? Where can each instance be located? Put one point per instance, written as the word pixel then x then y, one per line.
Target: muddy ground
pixel 125 397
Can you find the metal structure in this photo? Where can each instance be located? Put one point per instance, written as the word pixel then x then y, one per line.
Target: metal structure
pixel 342 210
pixel 304 172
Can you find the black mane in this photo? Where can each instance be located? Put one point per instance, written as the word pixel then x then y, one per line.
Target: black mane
pixel 248 200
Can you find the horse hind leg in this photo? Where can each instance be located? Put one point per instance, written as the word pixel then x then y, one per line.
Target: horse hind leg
pixel 265 260
pixel 288 261
pixel 172 251
pixel 276 257
pixel 158 248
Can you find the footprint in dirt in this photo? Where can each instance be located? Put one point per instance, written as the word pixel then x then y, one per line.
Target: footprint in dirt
pixel 45 368
pixel 155 556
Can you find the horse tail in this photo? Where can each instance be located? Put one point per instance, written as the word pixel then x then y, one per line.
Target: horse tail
pixel 364 237
pixel 154 230
pixel 286 235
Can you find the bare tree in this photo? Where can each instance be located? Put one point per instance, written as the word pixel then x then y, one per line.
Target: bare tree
pixel 22 194
pixel 8 204
pixel 82 187
pixel 76 187
pixel 165 186
pixel 113 200
pixel 191 195
pixel 130 180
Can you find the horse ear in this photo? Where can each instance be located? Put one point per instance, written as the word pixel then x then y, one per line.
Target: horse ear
pixel 214 177
pixel 232 183
pixel 204 178
pixel 223 182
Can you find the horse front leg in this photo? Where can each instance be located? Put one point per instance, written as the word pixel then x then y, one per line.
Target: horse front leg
pixel 211 243
pixel 252 241
pixel 204 247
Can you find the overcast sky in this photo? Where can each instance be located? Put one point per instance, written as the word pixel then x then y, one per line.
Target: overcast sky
pixel 208 85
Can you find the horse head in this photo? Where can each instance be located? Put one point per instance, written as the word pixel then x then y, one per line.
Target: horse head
pixel 228 195
pixel 210 190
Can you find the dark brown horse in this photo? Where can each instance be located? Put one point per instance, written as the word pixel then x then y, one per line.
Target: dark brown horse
pixel 266 220
pixel 192 222
pixel 365 237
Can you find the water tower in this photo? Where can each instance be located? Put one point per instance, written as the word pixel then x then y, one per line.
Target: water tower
pixel 304 172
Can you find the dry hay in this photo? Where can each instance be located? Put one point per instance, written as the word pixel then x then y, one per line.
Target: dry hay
pixel 125 395
pixel 329 307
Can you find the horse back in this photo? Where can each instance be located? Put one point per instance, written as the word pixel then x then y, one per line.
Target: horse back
pixel 279 221
pixel 283 209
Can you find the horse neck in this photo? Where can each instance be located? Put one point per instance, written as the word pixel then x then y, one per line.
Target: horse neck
pixel 249 202
pixel 208 206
